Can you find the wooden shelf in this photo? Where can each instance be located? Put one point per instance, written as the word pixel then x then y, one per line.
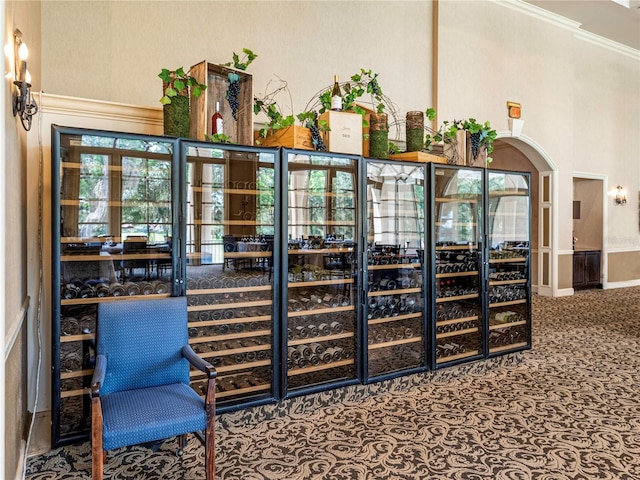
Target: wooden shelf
pixel 114 257
pixel 318 368
pixel 225 321
pixel 473 247
pixel 326 338
pixel 407 316
pixel 508 260
pixel 499 326
pixel 508 282
pixel 229 336
pixel 242 366
pixel 320 311
pixel 457 298
pixel 456 320
pixel 76 374
pixel 395 291
pixel 74 393
pixel 315 251
pixel 88 301
pixel 242 391
pixel 457 274
pixel 506 304
pixel 226 306
pixel 319 283
pixel 459 356
pixel 507 347
pixel 456 333
pixel 473 199
pixel 77 338
pixel 214 291
pixel 404 341
pixel 395 266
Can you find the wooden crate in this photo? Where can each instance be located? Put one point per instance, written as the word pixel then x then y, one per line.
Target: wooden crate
pixel 345 135
pixel 294 136
pixel 215 77
pixel 421 157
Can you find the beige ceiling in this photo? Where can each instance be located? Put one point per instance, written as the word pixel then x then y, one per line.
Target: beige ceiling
pixel 602 17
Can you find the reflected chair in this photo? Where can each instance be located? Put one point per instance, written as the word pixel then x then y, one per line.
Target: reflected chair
pixel 135 246
pixel 140 389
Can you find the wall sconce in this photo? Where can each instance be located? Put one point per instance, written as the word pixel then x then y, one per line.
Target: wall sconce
pixel 23 103
pixel 621 196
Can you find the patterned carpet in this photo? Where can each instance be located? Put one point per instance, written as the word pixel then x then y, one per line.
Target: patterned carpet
pixel 567 409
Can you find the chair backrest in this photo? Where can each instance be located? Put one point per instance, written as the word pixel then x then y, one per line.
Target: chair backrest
pixel 142 340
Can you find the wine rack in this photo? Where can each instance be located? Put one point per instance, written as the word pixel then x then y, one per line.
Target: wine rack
pixel 456 282
pixel 508 295
pixel 293 285
pixel 320 271
pixel 230 209
pixel 105 187
pixel 393 282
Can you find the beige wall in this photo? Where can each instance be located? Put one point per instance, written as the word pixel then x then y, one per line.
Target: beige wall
pixel 565 272
pixel 25 16
pixel 624 266
pixel 102 50
pixel 579 100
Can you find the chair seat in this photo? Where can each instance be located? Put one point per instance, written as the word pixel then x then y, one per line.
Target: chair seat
pixel 139 416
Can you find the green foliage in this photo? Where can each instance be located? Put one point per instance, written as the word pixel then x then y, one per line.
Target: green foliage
pixel 276 120
pixel 393 148
pixel 238 64
pixel 450 129
pixel 364 82
pixel 177 82
pixel 218 138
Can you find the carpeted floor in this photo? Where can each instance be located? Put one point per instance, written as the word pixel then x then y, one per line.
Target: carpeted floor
pixel 567 409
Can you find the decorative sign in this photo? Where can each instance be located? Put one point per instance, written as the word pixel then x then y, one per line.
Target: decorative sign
pixel 514 109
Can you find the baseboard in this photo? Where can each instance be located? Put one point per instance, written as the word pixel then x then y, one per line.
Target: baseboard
pixel 628 283
pixel 22 458
pixel 564 292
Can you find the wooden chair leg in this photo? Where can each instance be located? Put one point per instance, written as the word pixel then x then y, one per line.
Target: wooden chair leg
pixel 98 455
pixel 210 431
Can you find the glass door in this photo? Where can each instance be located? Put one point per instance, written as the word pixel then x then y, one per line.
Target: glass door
pixel 509 295
pixel 393 279
pixel 320 270
pixel 113 228
pixel 229 243
pixel 457 260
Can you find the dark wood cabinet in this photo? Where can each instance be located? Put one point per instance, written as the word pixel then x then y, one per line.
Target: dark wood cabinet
pixel 586 269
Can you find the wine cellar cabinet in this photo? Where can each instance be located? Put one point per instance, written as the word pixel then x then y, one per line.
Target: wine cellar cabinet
pixel 393 286
pixel 320 271
pixel 457 264
pixel 113 221
pixel 229 216
pixel 508 221
pixel 303 271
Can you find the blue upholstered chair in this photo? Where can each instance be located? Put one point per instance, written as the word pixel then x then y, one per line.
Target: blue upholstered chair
pixel 140 389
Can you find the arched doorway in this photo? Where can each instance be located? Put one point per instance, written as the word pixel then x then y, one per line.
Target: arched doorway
pixel 523 154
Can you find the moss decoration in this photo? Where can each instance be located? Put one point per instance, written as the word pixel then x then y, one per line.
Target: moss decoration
pixel 176 117
pixel 415 131
pixel 378 136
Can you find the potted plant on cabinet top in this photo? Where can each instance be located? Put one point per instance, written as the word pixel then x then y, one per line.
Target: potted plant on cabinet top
pixel 175 100
pixel 466 139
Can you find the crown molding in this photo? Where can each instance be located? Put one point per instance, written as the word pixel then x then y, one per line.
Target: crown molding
pixel 85 107
pixel 570 25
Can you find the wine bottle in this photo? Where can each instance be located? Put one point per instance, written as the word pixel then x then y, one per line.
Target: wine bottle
pixel 336 95
pixel 216 121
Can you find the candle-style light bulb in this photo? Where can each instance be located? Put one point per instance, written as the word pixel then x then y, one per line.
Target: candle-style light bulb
pixel 23 52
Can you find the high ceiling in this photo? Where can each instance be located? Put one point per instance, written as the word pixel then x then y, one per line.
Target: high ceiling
pixel 606 18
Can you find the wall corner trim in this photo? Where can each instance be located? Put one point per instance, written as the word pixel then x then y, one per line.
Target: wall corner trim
pixel 16 327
